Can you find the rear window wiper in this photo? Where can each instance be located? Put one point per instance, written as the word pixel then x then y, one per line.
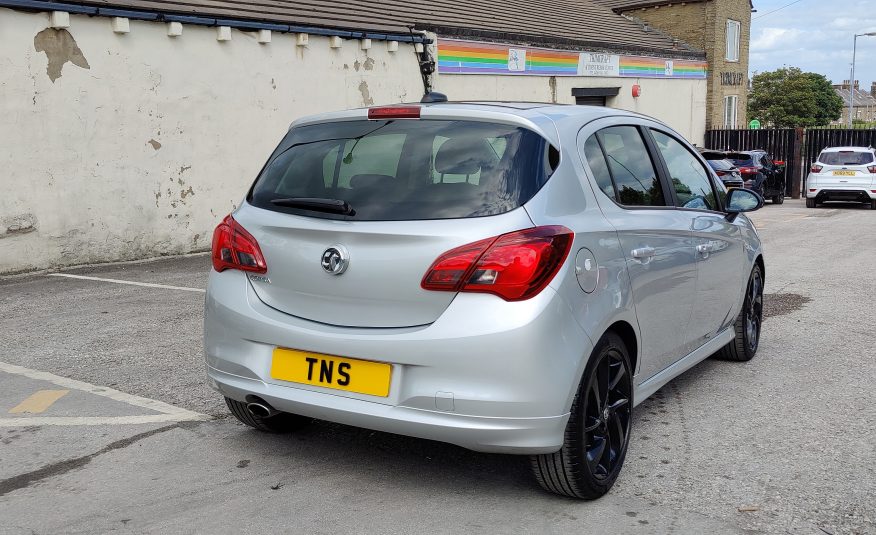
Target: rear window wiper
pixel 333 206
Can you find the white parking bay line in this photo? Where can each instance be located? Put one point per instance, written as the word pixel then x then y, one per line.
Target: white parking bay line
pixel 131 283
pixel 168 413
pixel 94 420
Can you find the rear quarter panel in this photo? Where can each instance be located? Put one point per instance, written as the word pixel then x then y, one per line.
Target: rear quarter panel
pixel 568 199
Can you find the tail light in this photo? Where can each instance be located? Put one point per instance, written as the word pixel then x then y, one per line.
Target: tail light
pixel 816 168
pixel 748 170
pixel 721 173
pixel 871 169
pixel 514 266
pixel 779 162
pixel 235 248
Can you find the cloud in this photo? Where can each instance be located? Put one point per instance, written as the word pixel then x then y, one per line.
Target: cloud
pixel 815 36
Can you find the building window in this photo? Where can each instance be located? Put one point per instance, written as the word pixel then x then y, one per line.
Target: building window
pixel 733 40
pixel 730 111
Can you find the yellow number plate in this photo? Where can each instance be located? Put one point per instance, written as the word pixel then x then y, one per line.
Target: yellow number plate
pixel 339 373
pixel 843 173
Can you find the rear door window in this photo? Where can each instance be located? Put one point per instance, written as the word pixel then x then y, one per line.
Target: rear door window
pixel 406 169
pixel 599 167
pixel 630 167
pixel 846 158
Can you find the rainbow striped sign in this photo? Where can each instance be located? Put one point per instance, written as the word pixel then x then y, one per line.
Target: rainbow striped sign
pixel 643 67
pixel 468 57
pixel 472 57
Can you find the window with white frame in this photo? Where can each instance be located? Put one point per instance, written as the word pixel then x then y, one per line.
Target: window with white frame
pixel 730 111
pixel 733 29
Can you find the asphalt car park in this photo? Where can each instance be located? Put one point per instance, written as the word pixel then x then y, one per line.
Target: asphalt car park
pixel 107 422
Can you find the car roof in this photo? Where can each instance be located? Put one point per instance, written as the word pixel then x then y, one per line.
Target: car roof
pixel 544 118
pixel 847 149
pixel 516 108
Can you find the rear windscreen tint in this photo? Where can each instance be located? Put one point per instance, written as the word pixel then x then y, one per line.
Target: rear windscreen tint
pixel 721 165
pixel 741 159
pixel 846 158
pixel 406 169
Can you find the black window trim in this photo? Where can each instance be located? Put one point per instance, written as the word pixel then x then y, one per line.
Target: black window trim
pixel 663 170
pixel 661 179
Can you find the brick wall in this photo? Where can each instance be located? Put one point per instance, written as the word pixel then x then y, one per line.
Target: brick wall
pixel 703 25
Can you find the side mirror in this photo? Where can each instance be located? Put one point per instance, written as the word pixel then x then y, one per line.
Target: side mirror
pixel 743 200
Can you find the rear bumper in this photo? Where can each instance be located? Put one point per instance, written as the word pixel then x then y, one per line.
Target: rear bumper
pixel 497 435
pixel 510 370
pixel 854 193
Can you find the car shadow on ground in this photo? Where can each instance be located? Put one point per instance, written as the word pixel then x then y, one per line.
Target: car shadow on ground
pixel 413 463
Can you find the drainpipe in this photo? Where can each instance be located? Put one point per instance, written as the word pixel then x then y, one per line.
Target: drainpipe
pixel 425 59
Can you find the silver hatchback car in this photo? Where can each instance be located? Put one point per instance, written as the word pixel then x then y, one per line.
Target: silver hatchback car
pixel 506 277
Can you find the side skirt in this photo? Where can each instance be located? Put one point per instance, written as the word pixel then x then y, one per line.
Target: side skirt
pixel 655 383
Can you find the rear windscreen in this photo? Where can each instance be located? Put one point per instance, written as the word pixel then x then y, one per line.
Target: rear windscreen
pixel 405 169
pixel 721 165
pixel 741 159
pixel 844 157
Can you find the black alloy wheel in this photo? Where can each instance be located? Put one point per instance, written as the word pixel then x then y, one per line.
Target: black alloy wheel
pixel 598 431
pixel 748 324
pixel 753 309
pixel 607 414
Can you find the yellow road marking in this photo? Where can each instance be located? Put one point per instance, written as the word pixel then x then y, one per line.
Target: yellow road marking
pixel 39 401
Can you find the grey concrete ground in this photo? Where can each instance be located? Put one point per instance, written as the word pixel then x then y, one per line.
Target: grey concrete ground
pixel 782 444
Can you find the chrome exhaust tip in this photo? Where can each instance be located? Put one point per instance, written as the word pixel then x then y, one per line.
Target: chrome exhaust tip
pixel 261 410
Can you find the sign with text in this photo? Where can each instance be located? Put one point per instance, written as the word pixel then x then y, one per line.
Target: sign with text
pixel 456 56
pixel 598 64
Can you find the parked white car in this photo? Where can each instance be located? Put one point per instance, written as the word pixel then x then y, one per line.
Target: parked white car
pixel 843 174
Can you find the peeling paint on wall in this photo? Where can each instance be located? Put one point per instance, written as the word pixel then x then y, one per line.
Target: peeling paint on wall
pixel 19 224
pixel 59 47
pixel 155 144
pixel 369 64
pixel 366 94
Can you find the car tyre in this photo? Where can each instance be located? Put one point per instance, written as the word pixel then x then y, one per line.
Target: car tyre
pixel 810 203
pixel 598 431
pixel 780 198
pixel 282 422
pixel 873 204
pixel 748 324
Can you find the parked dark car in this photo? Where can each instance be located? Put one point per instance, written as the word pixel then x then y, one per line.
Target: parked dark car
pixel 724 168
pixel 761 173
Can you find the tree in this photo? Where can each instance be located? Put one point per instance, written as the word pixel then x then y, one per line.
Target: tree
pixel 789 97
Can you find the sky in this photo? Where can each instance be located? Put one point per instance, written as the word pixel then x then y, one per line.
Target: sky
pixel 816 36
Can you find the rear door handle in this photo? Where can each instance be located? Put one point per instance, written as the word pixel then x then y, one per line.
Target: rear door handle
pixel 643 253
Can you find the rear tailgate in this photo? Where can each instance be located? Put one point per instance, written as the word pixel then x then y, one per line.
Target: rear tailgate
pixel 844 169
pixel 387 197
pixel 386 263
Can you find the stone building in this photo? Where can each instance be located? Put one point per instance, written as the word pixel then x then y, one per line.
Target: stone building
pixel 721 29
pixel 864 103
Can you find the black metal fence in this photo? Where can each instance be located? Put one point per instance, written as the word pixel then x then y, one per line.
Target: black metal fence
pixel 799 148
pixel 819 139
pixel 783 143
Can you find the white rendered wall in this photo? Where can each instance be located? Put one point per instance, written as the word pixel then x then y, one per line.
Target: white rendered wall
pixel 143 141
pixel 120 146
pixel 680 103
